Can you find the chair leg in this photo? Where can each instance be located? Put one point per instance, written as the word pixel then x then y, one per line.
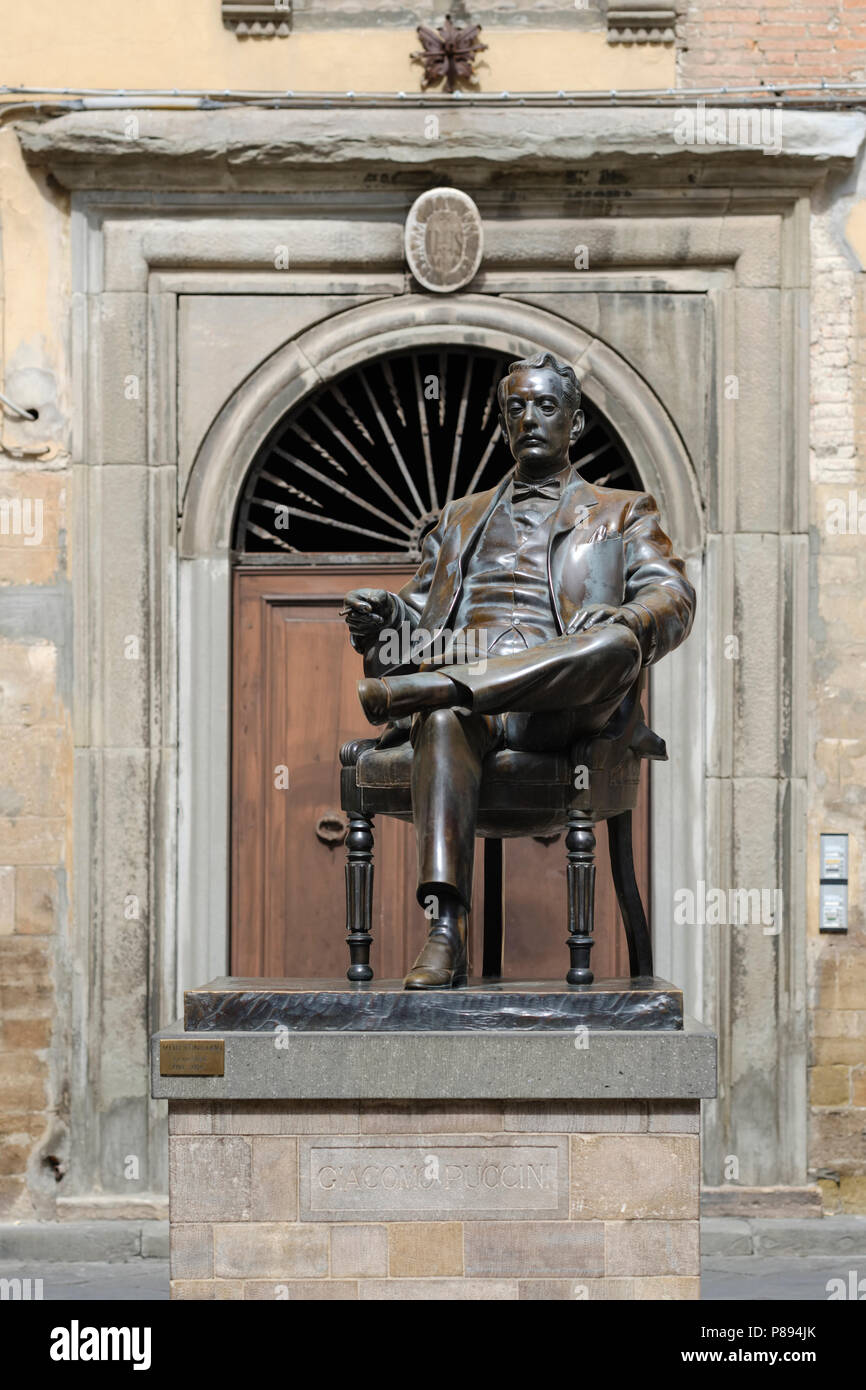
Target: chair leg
pixel 640 951
pixel 580 845
pixel 494 939
pixel 359 896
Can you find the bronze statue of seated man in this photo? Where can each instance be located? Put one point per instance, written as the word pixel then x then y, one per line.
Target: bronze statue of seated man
pixel 532 611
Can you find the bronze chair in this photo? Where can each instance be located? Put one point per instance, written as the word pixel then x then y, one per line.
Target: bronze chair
pixel 376 781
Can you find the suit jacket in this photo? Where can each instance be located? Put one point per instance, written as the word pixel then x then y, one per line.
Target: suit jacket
pixel 605 546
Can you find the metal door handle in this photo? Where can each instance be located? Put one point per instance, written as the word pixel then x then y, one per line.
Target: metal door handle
pixel 332 828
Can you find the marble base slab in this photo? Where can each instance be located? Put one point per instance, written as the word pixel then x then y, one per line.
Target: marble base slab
pixel 384 1006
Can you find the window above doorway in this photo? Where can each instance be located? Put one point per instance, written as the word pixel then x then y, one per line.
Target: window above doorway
pixel 367 462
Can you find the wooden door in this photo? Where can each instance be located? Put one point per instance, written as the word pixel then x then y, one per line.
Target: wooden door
pixel 294 703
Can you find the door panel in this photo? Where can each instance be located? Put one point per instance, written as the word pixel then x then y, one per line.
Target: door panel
pixel 295 678
pixel 294 703
pixel 536 910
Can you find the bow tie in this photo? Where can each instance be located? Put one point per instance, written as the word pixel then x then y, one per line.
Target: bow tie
pixel 551 491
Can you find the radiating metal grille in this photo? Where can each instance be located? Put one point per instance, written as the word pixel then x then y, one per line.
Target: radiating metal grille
pixel 366 463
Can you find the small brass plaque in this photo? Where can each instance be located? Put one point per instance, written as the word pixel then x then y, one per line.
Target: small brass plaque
pixel 192 1057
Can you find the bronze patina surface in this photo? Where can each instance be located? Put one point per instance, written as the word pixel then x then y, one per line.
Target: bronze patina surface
pixel 535 608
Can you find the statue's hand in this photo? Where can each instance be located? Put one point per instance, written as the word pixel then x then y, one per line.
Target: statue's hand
pixel 366 612
pixel 592 615
pixel 603 614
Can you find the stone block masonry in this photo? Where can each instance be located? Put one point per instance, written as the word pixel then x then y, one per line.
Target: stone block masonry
pixel 301 1199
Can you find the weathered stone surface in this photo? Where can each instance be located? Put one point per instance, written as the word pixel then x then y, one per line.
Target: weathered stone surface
pixel 216 351
pixel 830 1085
pixel 431 1117
pixel 839 1134
pixel 150 1209
pixel 577 1117
pixel 155 1233
pixel 837 1236
pixel 33 763
pixel 123 378
pixel 359 1251
pixel 274 1184
pixel 7 900
pixel 442 1177
pixel 440 1066
pixel 209 1178
pixel 310 242
pixel 572 1290
pixel 300 1290
pixel 619 1290
pixel 425 1249
pixel 34 671
pixel 646 1176
pixel 210 1290
pixel 726 1236
pixel 190 1117
pixel 674 1117
pixel 652 1248
pixel 222 149
pixel 191 1251
pixel 440 1290
pixel 287 1117
pixel 777 1202
pixel 269 1250
pixel 53 1242
pixel 757 576
pixel 844 1195
pixel 564 1248
pixel 662 1289
pixel 758 484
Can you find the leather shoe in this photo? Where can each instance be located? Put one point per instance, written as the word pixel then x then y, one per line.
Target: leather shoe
pixel 442 962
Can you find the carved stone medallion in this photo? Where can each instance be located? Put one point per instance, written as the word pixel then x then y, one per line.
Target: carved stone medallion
pixel 444 239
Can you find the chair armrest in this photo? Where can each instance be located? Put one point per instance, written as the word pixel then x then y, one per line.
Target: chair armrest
pixel 351 751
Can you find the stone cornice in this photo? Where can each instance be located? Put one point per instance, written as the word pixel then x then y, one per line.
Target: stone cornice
pixel 251 19
pixel 236 149
pixel 641 21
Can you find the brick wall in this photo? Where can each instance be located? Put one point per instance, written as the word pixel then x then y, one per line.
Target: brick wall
pixel 773 41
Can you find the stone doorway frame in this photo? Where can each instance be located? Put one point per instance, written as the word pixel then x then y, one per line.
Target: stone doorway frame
pixel 140 754
pixel 216 484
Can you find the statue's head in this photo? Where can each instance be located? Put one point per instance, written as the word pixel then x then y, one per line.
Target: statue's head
pixel 539 411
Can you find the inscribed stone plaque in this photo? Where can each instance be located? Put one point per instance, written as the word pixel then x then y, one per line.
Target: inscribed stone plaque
pixel 449 1177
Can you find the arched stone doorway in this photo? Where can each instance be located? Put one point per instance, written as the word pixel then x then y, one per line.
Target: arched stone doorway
pixel 325 354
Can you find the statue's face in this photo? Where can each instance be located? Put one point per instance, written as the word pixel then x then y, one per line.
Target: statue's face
pixel 536 418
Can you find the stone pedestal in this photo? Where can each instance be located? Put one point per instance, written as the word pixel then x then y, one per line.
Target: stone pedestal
pixel 499 1165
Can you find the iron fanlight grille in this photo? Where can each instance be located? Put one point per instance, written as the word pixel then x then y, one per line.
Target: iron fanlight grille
pixel 366 463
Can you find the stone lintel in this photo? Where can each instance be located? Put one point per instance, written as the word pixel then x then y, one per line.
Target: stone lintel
pixel 242 148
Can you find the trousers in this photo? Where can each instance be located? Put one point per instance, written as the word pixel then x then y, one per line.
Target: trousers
pixel 541 700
